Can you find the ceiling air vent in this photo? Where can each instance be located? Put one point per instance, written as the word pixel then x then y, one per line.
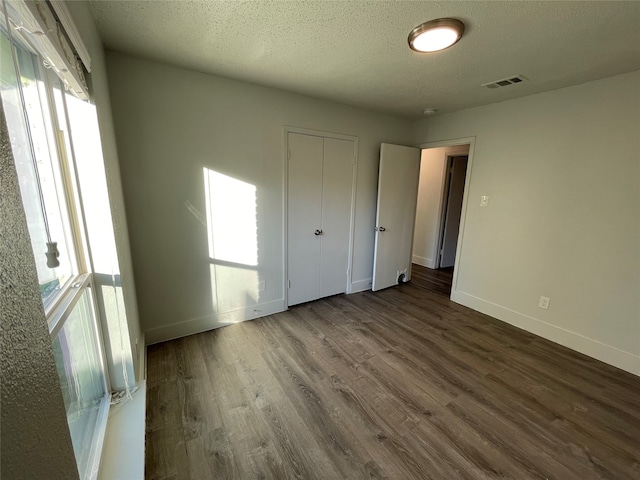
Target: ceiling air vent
pixel 504 82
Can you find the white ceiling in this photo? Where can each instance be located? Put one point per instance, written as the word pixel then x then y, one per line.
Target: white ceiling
pixel 356 52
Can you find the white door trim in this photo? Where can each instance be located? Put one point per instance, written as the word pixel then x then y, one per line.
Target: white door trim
pixel 471 141
pixel 285 199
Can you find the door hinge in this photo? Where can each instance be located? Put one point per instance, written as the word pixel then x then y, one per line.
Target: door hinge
pixel 289 284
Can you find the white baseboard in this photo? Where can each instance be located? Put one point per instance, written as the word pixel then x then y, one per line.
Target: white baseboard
pixel 361 285
pixel 592 348
pixel 425 262
pixel 209 322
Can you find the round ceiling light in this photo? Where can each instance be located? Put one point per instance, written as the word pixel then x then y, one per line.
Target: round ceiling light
pixel 436 35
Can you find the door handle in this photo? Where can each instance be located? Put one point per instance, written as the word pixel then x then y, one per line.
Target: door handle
pixel 317 232
pixel 381 229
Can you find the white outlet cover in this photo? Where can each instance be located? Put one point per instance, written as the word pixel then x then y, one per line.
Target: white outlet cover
pixel 484 200
pixel 544 303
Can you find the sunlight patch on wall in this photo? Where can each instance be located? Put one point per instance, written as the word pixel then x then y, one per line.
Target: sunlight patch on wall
pixel 231 219
pixel 232 240
pixel 233 288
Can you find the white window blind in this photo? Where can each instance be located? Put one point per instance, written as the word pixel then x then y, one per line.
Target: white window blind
pixel 37 25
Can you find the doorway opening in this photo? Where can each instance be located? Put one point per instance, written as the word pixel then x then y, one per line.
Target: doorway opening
pixel 443 175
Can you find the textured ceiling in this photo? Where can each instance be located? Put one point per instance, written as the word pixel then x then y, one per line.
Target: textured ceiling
pixel 356 52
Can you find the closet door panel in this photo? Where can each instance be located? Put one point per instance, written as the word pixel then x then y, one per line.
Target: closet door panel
pixel 304 216
pixel 337 179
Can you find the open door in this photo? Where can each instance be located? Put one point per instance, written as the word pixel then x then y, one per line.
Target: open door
pixel 397 197
pixel 457 175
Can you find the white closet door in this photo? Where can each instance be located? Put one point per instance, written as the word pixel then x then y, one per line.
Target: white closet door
pixel 304 216
pixel 397 198
pixel 337 181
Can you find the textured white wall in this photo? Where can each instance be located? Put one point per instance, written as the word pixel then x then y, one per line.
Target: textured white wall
pixel 85 24
pixel 563 221
pixel 433 163
pixel 170 123
pixel 35 440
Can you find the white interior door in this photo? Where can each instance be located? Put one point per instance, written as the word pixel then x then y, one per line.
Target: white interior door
pixel 304 216
pixel 454 212
pixel 337 183
pixel 398 178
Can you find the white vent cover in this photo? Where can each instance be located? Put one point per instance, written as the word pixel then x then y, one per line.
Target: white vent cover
pixel 505 82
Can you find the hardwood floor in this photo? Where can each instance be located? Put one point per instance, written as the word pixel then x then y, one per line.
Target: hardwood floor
pixel 400 384
pixel 438 281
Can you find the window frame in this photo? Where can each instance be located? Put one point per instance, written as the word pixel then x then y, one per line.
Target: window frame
pixel 57 320
pixel 72 200
pixel 59 149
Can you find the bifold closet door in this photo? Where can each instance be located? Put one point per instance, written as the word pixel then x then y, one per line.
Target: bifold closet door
pixel 320 188
pixel 304 216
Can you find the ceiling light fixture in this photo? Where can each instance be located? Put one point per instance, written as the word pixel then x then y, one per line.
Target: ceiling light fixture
pixel 436 35
pixel 429 111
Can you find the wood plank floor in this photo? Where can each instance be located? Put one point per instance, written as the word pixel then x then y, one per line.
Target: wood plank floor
pixel 400 384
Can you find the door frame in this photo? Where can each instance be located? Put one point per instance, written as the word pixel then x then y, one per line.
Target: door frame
pixel 471 141
pixel 287 129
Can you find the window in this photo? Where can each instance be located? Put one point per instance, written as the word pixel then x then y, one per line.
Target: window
pixel 81 372
pixel 35 105
pixel 38 168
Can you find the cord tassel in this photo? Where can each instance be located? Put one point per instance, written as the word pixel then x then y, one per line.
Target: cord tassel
pixel 52 255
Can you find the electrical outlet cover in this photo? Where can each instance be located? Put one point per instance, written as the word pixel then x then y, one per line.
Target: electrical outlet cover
pixel 544 302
